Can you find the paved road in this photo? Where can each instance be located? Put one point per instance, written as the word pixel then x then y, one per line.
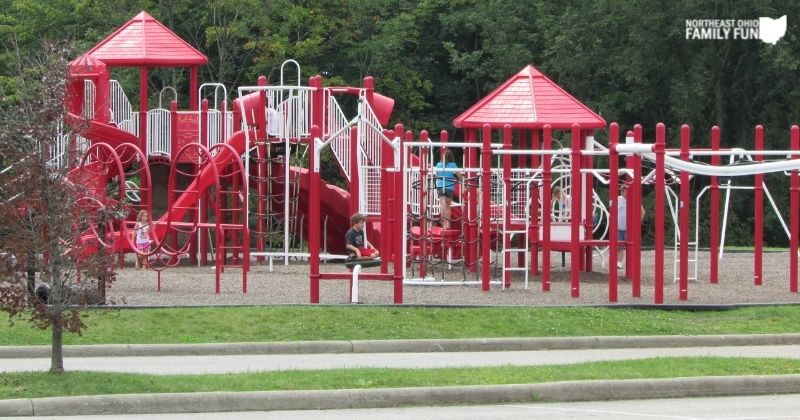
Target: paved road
pixel 767 407
pixel 165 365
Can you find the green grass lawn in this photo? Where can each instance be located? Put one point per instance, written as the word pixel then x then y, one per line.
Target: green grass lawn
pixel 296 323
pixel 40 384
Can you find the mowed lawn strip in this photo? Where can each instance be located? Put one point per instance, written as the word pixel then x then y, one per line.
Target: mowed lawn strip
pixel 39 385
pixel 314 323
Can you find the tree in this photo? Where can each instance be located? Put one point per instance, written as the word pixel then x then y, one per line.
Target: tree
pixel 44 212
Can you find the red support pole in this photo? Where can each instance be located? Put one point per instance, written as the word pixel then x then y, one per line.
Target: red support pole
pixel 714 225
pixel 261 117
pixel 522 162
pixel 794 213
pixel 575 213
pixel 546 208
pixel 613 211
pixel 398 234
pixel 313 217
pixel 237 116
pixel 629 138
pixel 759 212
pixel 261 189
pixel 354 175
pixel 472 214
pixel 143 107
pixel 506 205
pixel 486 207
pixel 193 88
pixel 683 216
pixel 588 192
pixel 661 188
pixel 423 206
pixel 533 236
pixel 635 256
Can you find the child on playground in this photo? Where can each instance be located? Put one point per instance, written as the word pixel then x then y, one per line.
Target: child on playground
pixel 142 238
pixel 356 242
pixel 622 223
pixel 560 203
pixel 446 176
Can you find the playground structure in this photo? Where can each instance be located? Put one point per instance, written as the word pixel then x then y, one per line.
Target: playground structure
pixel 236 176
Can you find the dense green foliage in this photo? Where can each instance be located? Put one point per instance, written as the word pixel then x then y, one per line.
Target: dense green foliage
pixel 627 60
pixel 301 323
pixel 41 385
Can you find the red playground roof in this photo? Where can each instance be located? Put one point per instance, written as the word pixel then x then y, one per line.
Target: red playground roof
pixel 144 41
pixel 529 100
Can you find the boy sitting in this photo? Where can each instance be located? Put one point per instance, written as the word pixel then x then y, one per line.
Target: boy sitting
pixel 357 245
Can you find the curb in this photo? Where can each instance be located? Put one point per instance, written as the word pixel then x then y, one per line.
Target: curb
pixel 203 402
pixel 403 346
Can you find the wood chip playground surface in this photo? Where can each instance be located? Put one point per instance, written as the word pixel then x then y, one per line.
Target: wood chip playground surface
pixel 187 286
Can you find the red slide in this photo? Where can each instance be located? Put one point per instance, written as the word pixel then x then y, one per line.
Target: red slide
pixel 335 201
pixel 99 132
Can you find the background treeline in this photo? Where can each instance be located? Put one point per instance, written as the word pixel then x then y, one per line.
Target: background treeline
pixel 627 60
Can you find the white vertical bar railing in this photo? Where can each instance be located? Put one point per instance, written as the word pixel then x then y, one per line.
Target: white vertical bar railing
pixel 371 144
pixel 214 127
pixel 89 95
pixel 340 144
pixel 121 107
pixel 159 132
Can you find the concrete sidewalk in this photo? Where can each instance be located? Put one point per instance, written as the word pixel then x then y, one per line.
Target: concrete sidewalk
pixel 194 365
pixel 398 353
pixel 405 346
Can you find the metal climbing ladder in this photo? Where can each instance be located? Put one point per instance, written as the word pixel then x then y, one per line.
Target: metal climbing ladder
pixel 516 213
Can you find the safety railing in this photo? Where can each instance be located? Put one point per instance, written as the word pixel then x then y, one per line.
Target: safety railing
pixel 370 144
pixel 122 111
pixel 340 143
pixel 159 132
pixel 89 95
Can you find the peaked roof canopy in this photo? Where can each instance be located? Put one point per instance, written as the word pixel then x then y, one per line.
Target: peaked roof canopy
pixel 86 65
pixel 144 41
pixel 529 100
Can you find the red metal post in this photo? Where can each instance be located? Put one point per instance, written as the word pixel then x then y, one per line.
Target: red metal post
pixel 794 213
pixel 398 237
pixel 314 224
pixel 354 174
pixel 613 211
pixel 486 207
pixel 261 189
pixel 193 88
pixel 658 272
pixel 423 205
pixel 588 192
pixel 546 208
pixel 628 179
pixel 506 204
pixel 261 116
pixel 683 218
pixel 714 220
pixel 522 162
pixel 759 212
pixel 635 206
pixel 237 116
pixel 143 108
pixel 533 236
pixel 575 213
pixel 472 214
pixel 196 243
